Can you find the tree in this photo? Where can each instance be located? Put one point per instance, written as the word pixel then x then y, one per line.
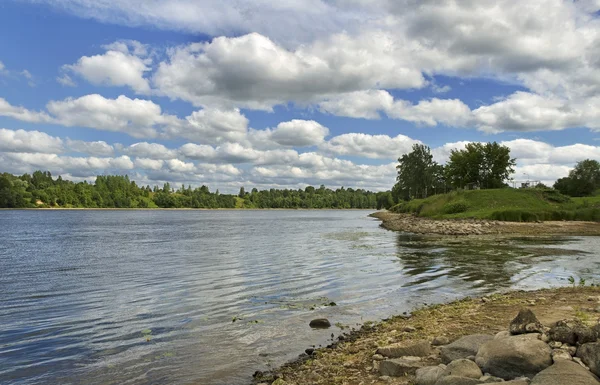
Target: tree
pixel 242 192
pixel 583 180
pixel 486 165
pixel 416 174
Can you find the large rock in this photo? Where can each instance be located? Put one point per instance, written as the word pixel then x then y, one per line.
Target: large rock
pixel 320 323
pixel 456 380
pixel 590 355
pixel 564 373
pixel 572 332
pixel 418 349
pixel 525 322
pixel 464 347
pixel 400 366
pixel 514 357
pixel 428 375
pixel 463 368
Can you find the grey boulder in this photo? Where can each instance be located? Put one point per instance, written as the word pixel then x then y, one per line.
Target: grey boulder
pixel 514 357
pixel 564 373
pixel 590 355
pixel 457 380
pixel 428 375
pixel 463 347
pixel 463 368
pixel 417 349
pixel 400 366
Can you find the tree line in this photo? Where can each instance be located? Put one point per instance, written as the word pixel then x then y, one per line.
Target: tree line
pixel 40 189
pixel 477 166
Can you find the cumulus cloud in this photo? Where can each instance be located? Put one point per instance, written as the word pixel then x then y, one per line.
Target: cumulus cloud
pixel 96 148
pixel 296 133
pixel 136 117
pixel 123 64
pixel 369 146
pixel 29 141
pixel 150 150
pixel 22 113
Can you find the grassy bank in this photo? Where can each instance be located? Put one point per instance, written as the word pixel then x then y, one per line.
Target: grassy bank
pixel 515 205
pixel 350 361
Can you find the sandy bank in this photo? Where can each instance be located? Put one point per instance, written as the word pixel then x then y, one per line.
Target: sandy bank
pixel 419 225
pixel 350 361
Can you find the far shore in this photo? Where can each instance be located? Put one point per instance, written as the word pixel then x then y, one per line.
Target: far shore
pixel 172 209
pixel 481 227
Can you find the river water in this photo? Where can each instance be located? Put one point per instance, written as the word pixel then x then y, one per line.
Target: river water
pixel 150 297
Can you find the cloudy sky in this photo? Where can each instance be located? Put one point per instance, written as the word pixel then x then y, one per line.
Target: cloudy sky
pixel 293 92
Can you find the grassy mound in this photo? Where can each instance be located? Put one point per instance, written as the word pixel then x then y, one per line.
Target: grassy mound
pixel 515 205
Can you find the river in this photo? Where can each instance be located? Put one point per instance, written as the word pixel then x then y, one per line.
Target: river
pixel 208 297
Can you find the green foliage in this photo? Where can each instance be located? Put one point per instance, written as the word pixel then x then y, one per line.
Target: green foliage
pixel 456 207
pixel 116 191
pixel 582 181
pixel 486 165
pixel 418 175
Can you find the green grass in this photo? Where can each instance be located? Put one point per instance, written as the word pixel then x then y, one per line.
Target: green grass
pixel 517 205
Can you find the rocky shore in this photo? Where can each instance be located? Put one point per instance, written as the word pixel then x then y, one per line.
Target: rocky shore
pixel 419 225
pixel 540 338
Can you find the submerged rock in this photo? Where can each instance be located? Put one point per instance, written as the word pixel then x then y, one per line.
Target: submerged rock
pixel 464 347
pixel 320 323
pixel 514 357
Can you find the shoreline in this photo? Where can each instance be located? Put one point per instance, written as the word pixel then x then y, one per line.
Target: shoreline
pixel 481 227
pixel 352 358
pixel 167 209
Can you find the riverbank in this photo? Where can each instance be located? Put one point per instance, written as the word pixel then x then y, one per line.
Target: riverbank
pixel 353 359
pixel 420 225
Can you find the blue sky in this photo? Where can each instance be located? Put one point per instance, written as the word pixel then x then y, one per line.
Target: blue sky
pixel 295 93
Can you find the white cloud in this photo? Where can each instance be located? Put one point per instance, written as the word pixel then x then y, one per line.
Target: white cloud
pixel 23 114
pixel 252 71
pixel 149 164
pixel 29 141
pixel 180 166
pixel 369 146
pixel 117 67
pixel 150 150
pixel 212 125
pixel 66 80
pixel 359 104
pixel 136 117
pixel 299 133
pixel 97 148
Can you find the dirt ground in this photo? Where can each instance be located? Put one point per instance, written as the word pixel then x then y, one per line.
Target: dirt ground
pixel 419 225
pixel 349 361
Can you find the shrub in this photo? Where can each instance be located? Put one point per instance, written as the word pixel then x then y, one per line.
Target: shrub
pixel 456 207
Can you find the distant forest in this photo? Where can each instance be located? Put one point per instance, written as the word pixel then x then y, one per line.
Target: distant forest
pixel 41 190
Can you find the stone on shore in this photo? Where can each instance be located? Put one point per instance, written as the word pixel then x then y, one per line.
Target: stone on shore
pixel 464 347
pixel 514 357
pixel 457 380
pixel 320 323
pixel 417 349
pixel 525 322
pixel 428 375
pixel 564 373
pixel 561 354
pixel 572 332
pixel 399 367
pixel 590 355
pixel 440 340
pixel 463 368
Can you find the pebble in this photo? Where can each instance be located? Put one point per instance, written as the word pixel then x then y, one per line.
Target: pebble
pixel 440 340
pixel 378 357
pixel 409 329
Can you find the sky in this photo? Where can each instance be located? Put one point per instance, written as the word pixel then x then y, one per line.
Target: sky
pixel 290 93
